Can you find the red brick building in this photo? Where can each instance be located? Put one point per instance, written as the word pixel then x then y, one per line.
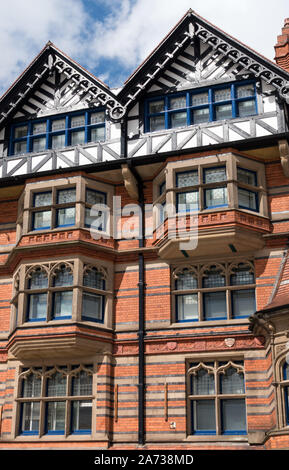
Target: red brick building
pixel 144 266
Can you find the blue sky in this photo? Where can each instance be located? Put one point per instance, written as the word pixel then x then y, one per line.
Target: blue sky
pixel 112 37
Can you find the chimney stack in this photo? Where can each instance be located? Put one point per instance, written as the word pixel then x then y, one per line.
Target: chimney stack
pixel 282 47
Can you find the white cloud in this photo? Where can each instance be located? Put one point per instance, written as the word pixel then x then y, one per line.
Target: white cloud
pixel 125 36
pixel 26 26
pixel 130 34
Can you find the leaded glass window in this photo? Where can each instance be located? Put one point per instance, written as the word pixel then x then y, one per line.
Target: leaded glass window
pixel 56 133
pixel 195 107
pixel 189 178
pixel 214 278
pixel 55 400
pixel 216 398
pixel 214 292
pixel 56 384
pixel 94 278
pixel 97 219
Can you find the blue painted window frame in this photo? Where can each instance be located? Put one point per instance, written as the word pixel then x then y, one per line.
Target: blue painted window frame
pixel 204 308
pixel 41 209
pixel 67 131
pixel 220 398
pixel 232 302
pixel 177 309
pixel 31 320
pixel 27 433
pixel 103 301
pixel 56 207
pixel 217 185
pixel 249 190
pixel 52 432
pixel 78 432
pixel 211 105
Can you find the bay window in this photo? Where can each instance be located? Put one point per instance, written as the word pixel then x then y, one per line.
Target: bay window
pixel 65 290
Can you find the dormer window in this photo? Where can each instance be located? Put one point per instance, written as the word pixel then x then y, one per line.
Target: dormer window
pixel 199 106
pixel 56 132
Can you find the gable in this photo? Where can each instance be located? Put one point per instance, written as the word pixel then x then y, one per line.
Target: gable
pixel 54 83
pixel 197 53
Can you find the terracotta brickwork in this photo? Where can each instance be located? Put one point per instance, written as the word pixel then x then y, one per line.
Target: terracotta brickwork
pixel 169 347
pixel 110 340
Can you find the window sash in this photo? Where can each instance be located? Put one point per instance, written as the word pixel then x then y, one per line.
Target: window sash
pixel 248 199
pixel 215 305
pixel 55 417
pixel 203 417
pixel 93 307
pixel 233 416
pixel 30 418
pixel 243 303
pixel 37 307
pixel 62 305
pixel 81 417
pixel 187 307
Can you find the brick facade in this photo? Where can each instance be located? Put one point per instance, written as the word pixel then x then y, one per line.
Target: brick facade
pixel 228 237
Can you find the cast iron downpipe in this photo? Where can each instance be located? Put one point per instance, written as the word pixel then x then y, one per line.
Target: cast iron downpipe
pixel 141 303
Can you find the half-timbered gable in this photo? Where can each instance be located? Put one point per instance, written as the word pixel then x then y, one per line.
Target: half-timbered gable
pixel 202 87
pixel 54 107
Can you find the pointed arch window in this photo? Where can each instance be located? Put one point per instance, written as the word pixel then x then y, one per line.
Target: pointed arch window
pixel 214 292
pixel 49 293
pixel 216 398
pixel 56 400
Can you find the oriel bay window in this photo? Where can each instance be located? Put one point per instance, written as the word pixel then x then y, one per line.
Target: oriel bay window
pixel 199 106
pixel 64 204
pixel 199 186
pixel 56 132
pixel 73 290
pixel 221 291
pixel 55 400
pixel 216 398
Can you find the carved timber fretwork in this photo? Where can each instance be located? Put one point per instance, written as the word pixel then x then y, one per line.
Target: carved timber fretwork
pixel 30 95
pixel 248 63
pixel 224 55
pixel 94 94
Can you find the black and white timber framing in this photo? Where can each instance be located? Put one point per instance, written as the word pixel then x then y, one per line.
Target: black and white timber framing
pixel 194 54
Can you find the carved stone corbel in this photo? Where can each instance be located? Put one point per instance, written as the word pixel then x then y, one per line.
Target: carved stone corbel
pixel 284 156
pixel 130 182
